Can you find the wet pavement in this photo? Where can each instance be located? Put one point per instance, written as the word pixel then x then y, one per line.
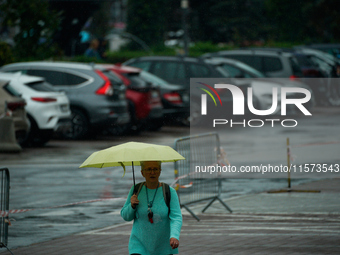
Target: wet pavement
pixel 264 223
pixel 49 181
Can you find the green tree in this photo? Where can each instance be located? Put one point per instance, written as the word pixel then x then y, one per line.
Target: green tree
pixel 100 20
pixel 6 54
pixel 36 26
pixel 235 21
pixel 304 20
pixel 148 21
pixel 324 20
pixel 289 19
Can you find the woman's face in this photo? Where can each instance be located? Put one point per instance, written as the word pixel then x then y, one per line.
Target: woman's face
pixel 151 171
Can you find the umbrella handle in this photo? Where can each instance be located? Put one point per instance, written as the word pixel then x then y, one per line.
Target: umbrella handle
pixel 134 182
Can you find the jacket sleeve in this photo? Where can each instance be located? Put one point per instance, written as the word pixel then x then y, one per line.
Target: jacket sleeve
pixel 175 215
pixel 127 212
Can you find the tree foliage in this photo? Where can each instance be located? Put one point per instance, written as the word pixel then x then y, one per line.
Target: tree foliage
pixel 6 54
pixel 35 24
pixel 100 22
pixel 304 20
pixel 148 21
pixel 240 22
pixel 233 20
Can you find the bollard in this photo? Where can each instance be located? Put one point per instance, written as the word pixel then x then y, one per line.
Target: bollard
pixel 8 142
pixel 288 163
pixel 289 176
pixel 4 206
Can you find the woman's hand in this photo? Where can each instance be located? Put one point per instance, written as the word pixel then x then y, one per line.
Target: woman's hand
pixel 134 201
pixel 174 243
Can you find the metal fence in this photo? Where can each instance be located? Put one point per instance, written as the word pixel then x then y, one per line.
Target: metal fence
pixel 193 183
pixel 4 206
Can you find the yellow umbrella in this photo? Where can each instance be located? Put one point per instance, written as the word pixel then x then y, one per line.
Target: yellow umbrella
pixel 130 154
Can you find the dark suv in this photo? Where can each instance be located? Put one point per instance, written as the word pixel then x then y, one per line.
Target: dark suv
pixel 275 64
pixel 97 97
pixel 179 70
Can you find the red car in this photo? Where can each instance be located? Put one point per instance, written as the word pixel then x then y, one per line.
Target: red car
pixel 144 99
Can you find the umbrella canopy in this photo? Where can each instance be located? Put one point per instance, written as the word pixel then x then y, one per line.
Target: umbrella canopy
pixel 131 153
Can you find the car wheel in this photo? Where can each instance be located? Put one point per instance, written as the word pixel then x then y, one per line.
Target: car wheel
pixel 79 125
pixel 118 130
pixel 155 125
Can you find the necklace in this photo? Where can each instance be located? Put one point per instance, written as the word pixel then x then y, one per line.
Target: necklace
pixel 150 203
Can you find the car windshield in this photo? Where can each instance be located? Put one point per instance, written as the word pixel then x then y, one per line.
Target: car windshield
pixel 304 60
pixel 328 56
pixel 41 86
pixel 112 77
pixel 152 78
pixel 251 71
pixel 11 90
pixel 295 66
pixel 331 60
pixel 137 81
pixel 222 72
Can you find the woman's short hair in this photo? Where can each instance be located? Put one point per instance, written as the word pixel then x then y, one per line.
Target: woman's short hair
pixel 142 164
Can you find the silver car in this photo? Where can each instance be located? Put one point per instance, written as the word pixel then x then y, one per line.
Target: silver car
pixel 97 98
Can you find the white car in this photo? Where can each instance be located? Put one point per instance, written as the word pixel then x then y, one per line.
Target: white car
pixel 48 110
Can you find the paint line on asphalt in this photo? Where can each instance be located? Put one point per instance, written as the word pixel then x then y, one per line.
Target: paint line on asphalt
pixel 96 231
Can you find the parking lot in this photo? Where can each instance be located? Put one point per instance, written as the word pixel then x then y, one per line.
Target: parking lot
pixel 64 199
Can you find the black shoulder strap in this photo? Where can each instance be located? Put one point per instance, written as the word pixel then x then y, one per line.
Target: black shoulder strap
pixel 138 187
pixel 166 195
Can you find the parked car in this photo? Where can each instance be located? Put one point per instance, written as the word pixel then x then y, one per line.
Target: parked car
pixel 325 61
pixel 302 62
pixel 47 109
pixel 11 103
pixel 97 98
pixel 175 99
pixel 272 63
pixel 179 70
pixel 331 67
pixel 145 105
pixel 176 69
pixel 308 68
pixel 262 86
pixel 330 48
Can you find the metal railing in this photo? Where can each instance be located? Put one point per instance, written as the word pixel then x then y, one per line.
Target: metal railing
pixel 4 206
pixel 200 151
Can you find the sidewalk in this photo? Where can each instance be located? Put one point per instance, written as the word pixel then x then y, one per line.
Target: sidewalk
pixel 294 222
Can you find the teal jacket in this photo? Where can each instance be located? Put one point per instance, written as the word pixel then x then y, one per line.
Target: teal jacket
pixel 153 238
